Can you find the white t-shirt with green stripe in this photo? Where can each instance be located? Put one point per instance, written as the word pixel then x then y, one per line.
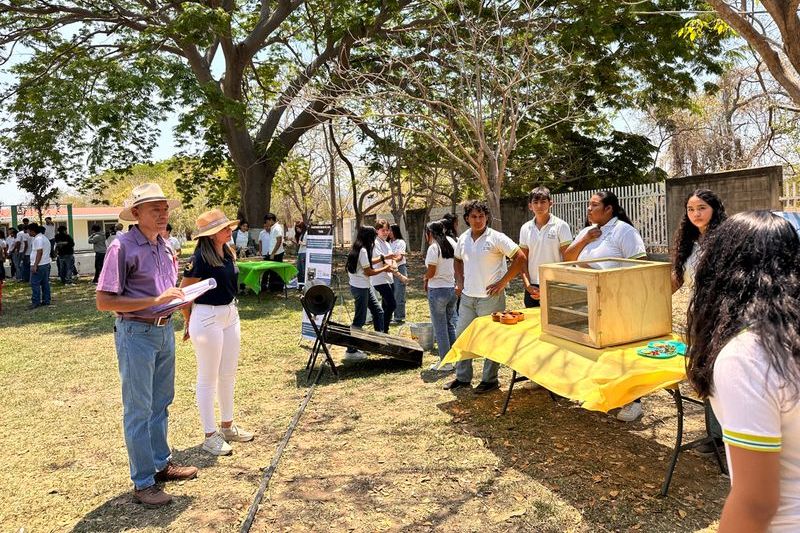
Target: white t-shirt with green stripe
pixel 756 412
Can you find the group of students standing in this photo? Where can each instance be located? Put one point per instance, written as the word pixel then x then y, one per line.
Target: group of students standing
pixel 743 323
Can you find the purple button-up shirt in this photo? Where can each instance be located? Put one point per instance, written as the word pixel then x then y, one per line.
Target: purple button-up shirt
pixel 137 268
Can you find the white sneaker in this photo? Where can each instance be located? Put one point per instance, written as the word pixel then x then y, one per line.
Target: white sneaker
pixel 216 445
pixel 630 412
pixel 447 368
pixel 358 355
pixel 236 434
pixel 434 366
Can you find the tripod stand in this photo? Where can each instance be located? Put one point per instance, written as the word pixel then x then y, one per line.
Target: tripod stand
pixel 319 343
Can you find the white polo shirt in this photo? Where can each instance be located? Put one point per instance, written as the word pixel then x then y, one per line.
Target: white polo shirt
pixel 445 270
pixel 360 280
pixel 756 410
pixel 399 247
pixel 543 245
pixel 484 259
pixel 40 242
pixel 618 239
pixel 266 242
pixel 381 248
pixel 276 232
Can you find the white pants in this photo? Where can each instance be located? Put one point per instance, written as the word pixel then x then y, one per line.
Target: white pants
pixel 215 335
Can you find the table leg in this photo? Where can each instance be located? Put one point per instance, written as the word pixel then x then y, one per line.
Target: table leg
pixel 676 395
pixel 515 378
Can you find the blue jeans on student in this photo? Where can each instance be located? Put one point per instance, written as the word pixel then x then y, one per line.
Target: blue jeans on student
pixel 146 357
pixel 400 295
pixel 470 309
pixel 40 285
pixel 388 304
pixel 442 305
pixel 365 299
pixel 66 264
pixel 25 268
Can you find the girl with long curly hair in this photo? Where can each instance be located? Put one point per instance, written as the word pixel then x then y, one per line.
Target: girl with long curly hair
pixel 744 355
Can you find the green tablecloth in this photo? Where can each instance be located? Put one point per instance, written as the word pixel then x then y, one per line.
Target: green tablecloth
pixel 250 272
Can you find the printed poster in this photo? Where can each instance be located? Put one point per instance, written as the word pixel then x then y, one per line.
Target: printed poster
pixel 319 265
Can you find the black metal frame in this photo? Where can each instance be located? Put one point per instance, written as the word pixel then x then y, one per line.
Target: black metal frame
pixel 319 343
pixel 679 446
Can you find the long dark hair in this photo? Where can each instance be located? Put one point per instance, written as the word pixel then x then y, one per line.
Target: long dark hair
pixel 209 253
pixel 687 233
pixel 365 238
pixel 608 198
pixel 396 234
pixel 435 229
pixel 449 221
pixel 748 276
pixel 299 230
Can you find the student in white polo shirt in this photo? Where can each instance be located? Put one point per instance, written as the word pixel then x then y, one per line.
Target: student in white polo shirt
pixel 543 239
pixel 608 233
pixel 481 277
pixel 744 355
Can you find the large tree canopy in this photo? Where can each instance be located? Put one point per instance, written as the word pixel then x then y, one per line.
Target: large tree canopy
pixel 249 78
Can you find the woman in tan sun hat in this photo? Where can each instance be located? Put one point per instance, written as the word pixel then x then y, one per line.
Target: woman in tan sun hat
pixel 212 324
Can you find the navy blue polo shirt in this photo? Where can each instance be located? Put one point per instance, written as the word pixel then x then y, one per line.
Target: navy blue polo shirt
pixel 226 277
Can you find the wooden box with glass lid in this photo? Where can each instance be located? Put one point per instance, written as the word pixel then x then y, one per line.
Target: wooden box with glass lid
pixel 605 302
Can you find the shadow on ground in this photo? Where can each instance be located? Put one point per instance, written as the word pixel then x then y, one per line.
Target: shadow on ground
pixel 592 461
pixel 374 366
pixel 123 513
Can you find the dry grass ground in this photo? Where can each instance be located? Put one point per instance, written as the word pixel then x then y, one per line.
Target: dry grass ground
pixel 382 448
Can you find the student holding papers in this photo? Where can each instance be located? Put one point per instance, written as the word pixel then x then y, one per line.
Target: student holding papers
pixel 212 324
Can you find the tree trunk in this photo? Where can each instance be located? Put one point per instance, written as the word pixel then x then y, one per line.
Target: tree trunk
pixel 338 238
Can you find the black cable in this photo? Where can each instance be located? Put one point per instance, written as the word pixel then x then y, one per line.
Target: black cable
pixel 265 479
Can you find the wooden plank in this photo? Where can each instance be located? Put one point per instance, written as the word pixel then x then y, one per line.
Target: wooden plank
pixel 372 341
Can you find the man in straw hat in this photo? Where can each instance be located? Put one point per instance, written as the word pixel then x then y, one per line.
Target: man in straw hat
pixel 139 273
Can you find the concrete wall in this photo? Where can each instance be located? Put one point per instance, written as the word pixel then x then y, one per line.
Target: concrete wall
pixel 740 190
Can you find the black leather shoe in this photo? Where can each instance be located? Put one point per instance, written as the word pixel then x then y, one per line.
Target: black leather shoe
pixel 484 387
pixel 456 384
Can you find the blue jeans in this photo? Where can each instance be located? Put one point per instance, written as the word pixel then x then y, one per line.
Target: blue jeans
pixel 25 268
pixel 442 304
pixel 470 309
pixel 40 285
pixel 400 295
pixel 146 357
pixel 388 304
pixel 66 264
pixel 365 299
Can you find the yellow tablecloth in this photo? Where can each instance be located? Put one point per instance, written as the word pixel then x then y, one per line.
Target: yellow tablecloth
pixel 600 379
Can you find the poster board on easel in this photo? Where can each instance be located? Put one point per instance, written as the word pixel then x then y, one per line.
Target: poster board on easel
pixel 319 265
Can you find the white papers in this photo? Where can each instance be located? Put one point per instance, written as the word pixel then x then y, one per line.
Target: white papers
pixel 191 293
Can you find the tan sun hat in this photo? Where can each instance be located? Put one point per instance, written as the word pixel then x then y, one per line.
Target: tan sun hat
pixel 141 194
pixel 212 222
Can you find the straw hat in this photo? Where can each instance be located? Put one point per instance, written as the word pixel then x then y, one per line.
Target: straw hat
pixel 141 194
pixel 212 222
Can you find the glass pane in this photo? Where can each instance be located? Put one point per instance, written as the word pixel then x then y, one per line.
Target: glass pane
pixel 568 306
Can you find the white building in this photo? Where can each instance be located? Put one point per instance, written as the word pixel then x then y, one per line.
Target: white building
pixel 83 218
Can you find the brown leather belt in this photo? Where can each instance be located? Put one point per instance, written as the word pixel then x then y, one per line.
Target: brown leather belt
pixel 158 321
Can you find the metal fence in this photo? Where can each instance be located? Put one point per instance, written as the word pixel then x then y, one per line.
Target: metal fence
pixel 645 204
pixel 791 196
